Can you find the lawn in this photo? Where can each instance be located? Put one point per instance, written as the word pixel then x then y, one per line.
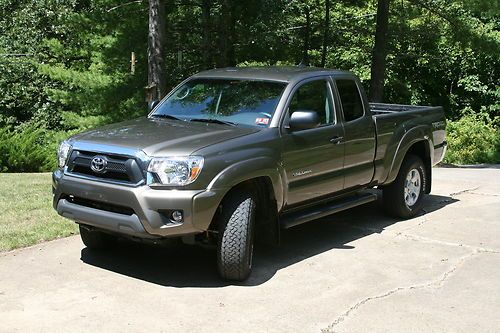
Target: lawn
pixel 26 213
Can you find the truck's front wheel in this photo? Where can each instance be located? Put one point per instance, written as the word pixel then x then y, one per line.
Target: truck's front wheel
pixel 403 198
pixel 94 239
pixel 236 236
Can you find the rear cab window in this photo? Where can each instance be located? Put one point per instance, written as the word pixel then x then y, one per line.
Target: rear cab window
pixel 350 99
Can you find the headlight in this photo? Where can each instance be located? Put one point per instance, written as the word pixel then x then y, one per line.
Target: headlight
pixel 62 153
pixel 176 170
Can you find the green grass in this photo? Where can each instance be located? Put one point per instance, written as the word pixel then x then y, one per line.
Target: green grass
pixel 26 213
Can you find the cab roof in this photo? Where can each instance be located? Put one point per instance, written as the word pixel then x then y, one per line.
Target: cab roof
pixel 281 74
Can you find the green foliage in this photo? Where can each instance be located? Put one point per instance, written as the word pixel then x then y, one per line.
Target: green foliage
pixel 474 138
pixel 28 148
pixel 75 59
pixel 23 26
pixel 443 54
pixel 74 71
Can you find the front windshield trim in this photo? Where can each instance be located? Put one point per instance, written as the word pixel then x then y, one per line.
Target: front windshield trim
pixel 276 99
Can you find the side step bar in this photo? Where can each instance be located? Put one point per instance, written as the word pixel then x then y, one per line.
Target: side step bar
pixel 295 218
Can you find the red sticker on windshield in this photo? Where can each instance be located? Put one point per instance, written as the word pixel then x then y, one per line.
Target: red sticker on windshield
pixel 262 121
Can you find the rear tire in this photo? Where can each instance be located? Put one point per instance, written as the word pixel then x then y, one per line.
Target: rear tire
pixel 94 239
pixel 236 236
pixel 403 198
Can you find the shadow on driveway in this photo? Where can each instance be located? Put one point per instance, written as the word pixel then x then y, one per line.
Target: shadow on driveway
pixel 180 265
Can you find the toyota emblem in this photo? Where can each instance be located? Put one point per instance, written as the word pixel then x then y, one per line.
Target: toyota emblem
pixel 98 164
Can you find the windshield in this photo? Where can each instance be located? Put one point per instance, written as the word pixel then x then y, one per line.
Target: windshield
pixel 223 101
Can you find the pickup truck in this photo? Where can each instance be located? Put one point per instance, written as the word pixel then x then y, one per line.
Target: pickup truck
pixel 232 156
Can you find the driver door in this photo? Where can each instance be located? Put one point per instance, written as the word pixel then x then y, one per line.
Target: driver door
pixel 313 159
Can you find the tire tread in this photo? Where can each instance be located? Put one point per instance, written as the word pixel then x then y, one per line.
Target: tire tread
pixel 94 239
pixel 393 198
pixel 235 234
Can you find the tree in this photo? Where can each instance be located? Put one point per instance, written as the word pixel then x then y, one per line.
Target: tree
pixel 227 34
pixel 156 43
pixel 206 6
pixel 326 32
pixel 307 36
pixel 379 52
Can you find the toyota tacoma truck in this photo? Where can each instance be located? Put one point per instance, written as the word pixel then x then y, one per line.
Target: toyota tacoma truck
pixel 232 156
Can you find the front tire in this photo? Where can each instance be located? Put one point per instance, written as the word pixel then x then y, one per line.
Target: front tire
pixel 94 239
pixel 236 236
pixel 403 198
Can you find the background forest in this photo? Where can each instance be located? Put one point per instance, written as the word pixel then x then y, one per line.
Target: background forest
pixel 65 65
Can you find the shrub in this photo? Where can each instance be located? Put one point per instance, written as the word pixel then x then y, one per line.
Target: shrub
pixel 474 138
pixel 28 149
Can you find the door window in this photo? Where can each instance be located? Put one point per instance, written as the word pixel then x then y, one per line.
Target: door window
pixel 350 99
pixel 313 96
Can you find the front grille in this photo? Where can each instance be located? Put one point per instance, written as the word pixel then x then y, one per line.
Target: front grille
pixel 99 205
pixel 112 166
pixel 123 169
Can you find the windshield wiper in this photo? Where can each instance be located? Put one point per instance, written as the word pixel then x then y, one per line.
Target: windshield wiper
pixel 167 116
pixel 213 121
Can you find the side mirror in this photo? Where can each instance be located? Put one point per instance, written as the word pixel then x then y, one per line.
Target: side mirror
pixel 152 104
pixel 301 120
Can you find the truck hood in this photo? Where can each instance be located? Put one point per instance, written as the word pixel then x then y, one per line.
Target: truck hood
pixel 162 137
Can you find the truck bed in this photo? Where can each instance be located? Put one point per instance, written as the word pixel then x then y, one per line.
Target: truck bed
pixel 392 122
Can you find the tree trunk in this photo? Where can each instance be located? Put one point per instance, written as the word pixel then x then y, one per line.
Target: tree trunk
pixel 307 37
pixel 206 7
pixel 326 32
pixel 156 42
pixel 232 36
pixel 379 52
pixel 227 35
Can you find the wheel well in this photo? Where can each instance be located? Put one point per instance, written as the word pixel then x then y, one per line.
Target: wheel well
pixel 267 229
pixel 421 149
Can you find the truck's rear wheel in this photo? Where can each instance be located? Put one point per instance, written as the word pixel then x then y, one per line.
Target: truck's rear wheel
pixel 236 236
pixel 94 239
pixel 403 198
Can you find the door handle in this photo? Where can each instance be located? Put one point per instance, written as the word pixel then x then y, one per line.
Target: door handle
pixel 336 140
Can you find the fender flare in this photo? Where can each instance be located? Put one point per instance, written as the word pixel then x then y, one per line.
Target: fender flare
pixel 414 135
pixel 245 170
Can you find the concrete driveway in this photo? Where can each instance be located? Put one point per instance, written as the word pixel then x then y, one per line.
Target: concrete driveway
pixel 358 271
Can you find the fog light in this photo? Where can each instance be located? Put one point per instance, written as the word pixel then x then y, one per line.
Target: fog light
pixel 177 216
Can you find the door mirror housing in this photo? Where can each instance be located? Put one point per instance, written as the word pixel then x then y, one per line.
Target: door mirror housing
pixel 152 104
pixel 303 119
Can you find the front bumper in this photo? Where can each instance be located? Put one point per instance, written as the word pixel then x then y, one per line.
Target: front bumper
pixel 145 216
